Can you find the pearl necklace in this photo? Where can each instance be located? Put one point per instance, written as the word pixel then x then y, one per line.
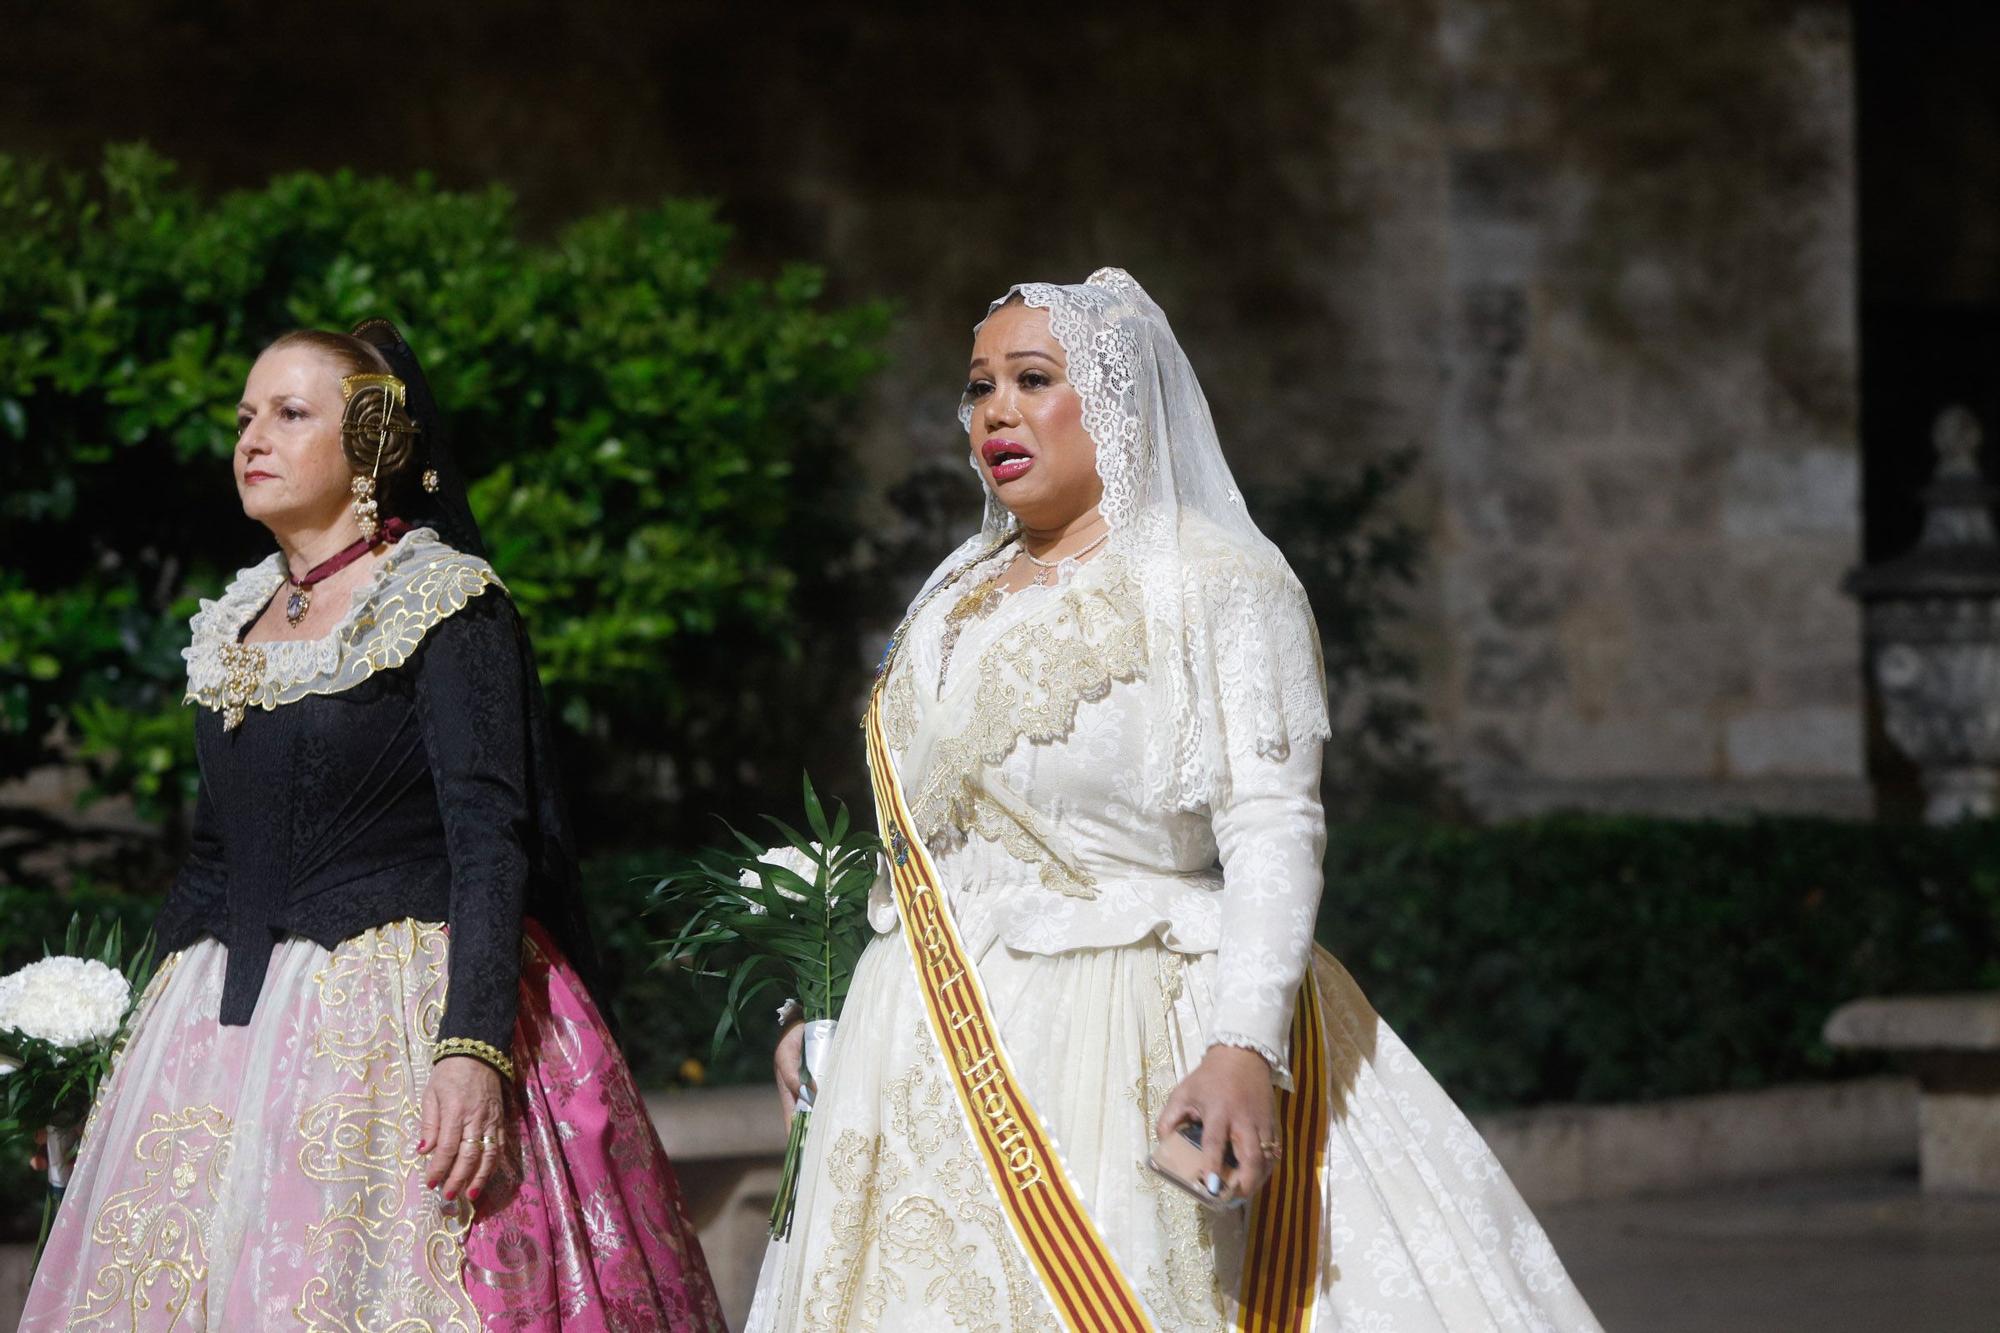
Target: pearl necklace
pixel 1045 569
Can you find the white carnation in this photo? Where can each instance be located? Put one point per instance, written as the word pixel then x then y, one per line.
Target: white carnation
pixel 789 858
pixel 70 1002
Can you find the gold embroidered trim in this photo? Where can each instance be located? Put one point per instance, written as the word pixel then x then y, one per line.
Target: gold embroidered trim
pixel 1032 681
pixel 428 583
pixel 155 1234
pixel 992 821
pixel 899 710
pixel 478 1050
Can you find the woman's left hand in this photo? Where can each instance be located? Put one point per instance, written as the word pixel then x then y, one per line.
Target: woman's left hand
pixel 464 1126
pixel 1229 1093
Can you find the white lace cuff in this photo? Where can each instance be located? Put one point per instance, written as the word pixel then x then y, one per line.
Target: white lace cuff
pixel 1281 1073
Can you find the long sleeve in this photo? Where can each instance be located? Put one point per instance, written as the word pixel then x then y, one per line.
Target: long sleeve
pixel 472 703
pixel 198 900
pixel 1272 838
pixel 1270 832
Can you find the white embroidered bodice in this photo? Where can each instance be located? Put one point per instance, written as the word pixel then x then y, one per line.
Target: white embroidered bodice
pixel 1021 756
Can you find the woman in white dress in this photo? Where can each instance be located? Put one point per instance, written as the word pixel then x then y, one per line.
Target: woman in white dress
pixel 1096 744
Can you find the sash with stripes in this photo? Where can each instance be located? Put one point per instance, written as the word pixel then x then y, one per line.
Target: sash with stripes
pixel 1281 1262
pixel 1077 1269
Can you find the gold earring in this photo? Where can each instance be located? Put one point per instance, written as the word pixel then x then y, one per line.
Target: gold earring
pixel 430 481
pixel 364 506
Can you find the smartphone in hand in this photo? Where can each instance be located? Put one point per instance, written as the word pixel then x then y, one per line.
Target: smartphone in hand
pixel 1179 1158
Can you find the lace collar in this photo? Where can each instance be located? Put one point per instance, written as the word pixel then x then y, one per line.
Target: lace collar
pixel 418 583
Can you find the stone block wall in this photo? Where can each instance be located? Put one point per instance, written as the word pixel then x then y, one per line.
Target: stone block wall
pixel 1594 260
pixel 1646 452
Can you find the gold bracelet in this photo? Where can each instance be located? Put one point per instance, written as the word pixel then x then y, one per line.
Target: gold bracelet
pixel 478 1050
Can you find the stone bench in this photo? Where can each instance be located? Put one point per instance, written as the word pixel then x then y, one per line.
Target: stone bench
pixel 1951 1043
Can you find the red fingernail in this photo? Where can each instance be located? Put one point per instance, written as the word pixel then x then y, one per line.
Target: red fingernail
pixel 473 1193
pixel 423 1145
pixel 449 1196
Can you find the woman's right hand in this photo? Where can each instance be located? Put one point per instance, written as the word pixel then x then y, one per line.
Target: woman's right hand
pixel 785 1063
pixel 38 1160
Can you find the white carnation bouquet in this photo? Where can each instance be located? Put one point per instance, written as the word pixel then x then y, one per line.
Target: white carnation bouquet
pixel 780 922
pixel 62 1019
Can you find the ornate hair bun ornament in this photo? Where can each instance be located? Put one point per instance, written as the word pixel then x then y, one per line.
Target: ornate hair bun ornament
pixel 377 434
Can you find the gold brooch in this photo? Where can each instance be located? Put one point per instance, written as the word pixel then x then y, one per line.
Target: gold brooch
pixel 970 607
pixel 242 676
pixel 975 603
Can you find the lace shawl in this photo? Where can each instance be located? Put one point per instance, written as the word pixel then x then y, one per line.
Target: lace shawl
pixel 1223 631
pixel 417 584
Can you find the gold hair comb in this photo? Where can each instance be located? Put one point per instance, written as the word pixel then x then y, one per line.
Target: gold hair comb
pixel 353 384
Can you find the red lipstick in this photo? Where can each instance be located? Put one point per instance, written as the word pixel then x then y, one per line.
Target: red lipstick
pixel 1006 460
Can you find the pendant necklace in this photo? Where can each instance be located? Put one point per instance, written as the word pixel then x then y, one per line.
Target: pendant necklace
pixel 300 601
pixel 1045 570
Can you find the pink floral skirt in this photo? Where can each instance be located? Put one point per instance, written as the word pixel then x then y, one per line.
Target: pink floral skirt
pixel 266 1176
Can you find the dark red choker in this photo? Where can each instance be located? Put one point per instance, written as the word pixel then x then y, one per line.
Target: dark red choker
pixel 301 599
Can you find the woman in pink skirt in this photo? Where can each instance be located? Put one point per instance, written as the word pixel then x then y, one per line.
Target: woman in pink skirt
pixel 367 1090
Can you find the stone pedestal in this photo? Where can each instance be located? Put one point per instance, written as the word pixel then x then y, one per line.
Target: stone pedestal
pixel 1933 629
pixel 1951 1043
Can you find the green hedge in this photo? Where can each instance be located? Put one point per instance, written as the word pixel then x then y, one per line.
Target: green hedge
pixel 662 449
pixel 1568 959
pixel 1556 960
pixel 1602 959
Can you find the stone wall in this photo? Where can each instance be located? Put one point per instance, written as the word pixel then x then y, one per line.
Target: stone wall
pixel 1593 259
pixel 1646 449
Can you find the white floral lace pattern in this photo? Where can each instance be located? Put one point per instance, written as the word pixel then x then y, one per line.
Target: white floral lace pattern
pixel 1172 505
pixel 896 1230
pixel 1034 753
pixel 1155 726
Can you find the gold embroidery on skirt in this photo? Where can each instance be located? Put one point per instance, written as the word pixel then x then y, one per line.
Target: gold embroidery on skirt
pixel 851 1169
pixel 967 1185
pixel 916 1241
pixel 157 1232
pixel 1187 1291
pixel 364 1137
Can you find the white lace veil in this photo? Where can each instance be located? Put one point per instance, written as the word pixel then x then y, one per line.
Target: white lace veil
pixel 1233 658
